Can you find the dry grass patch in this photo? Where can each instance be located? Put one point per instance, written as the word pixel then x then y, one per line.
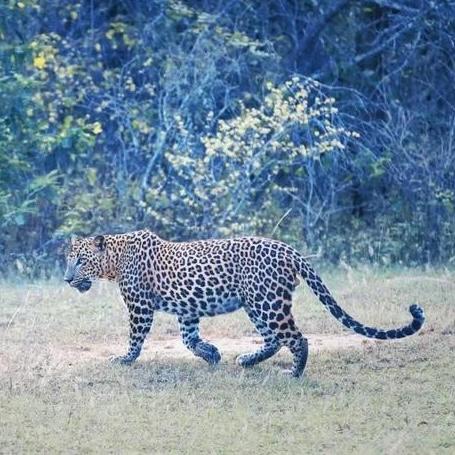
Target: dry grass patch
pixel 59 393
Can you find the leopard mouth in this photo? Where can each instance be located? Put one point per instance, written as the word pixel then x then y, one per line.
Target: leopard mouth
pixel 83 285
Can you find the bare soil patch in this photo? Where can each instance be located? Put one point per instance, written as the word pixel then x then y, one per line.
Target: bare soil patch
pixel 59 356
pixel 173 348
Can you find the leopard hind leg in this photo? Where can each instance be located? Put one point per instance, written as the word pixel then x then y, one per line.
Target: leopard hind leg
pixel 291 337
pixel 270 347
pixel 274 321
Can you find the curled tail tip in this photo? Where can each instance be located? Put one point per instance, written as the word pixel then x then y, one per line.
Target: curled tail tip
pixel 417 312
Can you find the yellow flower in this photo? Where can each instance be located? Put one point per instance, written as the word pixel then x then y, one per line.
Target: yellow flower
pixel 97 128
pixel 39 62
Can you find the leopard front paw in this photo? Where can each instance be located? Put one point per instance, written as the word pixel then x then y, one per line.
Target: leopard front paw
pixel 208 352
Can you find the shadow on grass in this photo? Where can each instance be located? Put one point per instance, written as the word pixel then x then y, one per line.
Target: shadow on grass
pixel 196 377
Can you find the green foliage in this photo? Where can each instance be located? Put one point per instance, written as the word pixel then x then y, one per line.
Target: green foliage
pixel 196 121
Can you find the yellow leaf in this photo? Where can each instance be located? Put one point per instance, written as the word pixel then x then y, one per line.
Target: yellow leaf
pixel 97 128
pixel 20 5
pixel 39 62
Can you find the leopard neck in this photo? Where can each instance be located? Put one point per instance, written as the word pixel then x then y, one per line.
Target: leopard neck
pixel 118 247
pixel 115 248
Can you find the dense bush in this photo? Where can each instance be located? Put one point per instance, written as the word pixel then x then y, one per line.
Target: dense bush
pixel 329 124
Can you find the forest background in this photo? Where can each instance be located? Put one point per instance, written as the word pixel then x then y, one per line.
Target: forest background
pixel 326 124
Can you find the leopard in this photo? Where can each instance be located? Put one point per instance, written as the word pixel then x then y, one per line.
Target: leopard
pixel 204 278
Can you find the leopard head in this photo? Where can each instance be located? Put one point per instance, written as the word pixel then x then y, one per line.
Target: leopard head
pixel 84 261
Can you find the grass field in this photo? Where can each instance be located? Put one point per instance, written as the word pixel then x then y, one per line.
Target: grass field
pixel 59 393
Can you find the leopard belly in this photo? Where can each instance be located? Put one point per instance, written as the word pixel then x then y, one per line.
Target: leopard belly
pixel 198 307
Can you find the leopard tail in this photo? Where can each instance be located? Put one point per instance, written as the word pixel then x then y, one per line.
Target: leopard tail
pixel 321 291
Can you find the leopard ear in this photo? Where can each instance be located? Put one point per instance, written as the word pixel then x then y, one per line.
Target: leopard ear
pixel 73 239
pixel 100 242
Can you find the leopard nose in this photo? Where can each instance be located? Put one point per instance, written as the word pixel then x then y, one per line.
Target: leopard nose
pixel 68 280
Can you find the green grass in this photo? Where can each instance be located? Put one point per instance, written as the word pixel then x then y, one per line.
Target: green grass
pixel 387 397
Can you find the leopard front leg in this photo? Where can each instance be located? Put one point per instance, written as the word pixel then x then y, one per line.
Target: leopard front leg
pixel 141 318
pixel 189 329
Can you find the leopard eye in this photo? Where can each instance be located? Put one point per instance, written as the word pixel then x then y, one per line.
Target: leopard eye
pixel 79 261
